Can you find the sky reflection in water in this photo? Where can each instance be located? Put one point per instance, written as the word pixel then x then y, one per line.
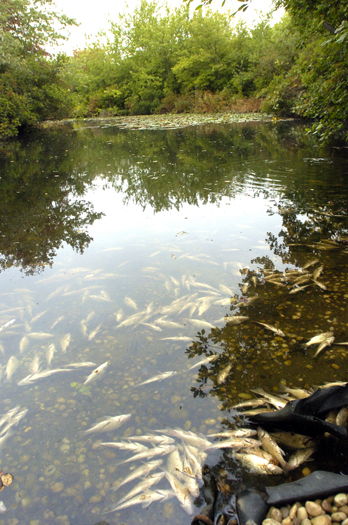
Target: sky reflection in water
pixel 229 207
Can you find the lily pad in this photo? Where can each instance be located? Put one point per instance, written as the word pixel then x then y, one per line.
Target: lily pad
pixel 83 389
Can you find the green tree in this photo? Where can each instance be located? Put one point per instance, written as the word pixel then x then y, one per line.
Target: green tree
pixel 31 88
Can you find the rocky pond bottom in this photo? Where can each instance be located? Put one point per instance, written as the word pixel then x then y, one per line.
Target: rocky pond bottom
pixel 333 509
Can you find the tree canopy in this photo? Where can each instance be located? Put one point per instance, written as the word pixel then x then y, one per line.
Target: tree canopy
pixel 159 59
pixel 30 86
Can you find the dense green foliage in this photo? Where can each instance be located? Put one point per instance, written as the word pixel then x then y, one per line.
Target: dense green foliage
pixel 159 59
pixel 166 60
pixel 31 86
pixel 316 86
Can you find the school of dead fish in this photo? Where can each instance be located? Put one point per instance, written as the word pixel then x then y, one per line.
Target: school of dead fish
pixel 182 453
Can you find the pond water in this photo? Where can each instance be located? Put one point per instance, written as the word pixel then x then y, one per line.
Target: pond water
pixel 130 247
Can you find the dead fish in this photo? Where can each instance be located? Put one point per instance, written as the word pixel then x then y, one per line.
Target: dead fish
pixel 13 421
pixel 204 361
pixel 256 411
pixel 310 263
pixel 49 354
pixel 83 326
pixel 145 484
pixel 108 424
pixel 299 393
pixel 65 341
pixel 324 344
pixel 298 289
pixel 177 338
pixel 199 323
pixel 299 457
pixel 321 285
pixel 134 447
pixel 276 401
pixel 7 325
pixel 119 315
pixel 145 499
pixel 57 321
pixel 133 319
pixel 276 283
pixel 153 327
pixel 38 316
pixel 28 380
pixel 94 332
pixel 292 440
pixel 161 450
pixel 39 335
pixel 98 372
pixel 152 438
pixel 241 432
pixel 34 366
pixel 251 403
pixel 168 324
pixel 257 464
pixel 23 344
pixel 181 492
pixel 302 279
pixel 225 290
pixel 245 288
pixel 272 328
pixel 270 446
pixel 235 319
pixel 225 302
pixel 235 442
pixel 223 374
pixel 342 417
pixel 318 339
pixel 158 377
pixel 11 367
pixel 140 471
pixel 317 272
pixel 130 303
pixel 80 365
pixel 196 440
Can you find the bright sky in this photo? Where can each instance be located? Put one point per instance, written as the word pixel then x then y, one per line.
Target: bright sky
pixel 94 16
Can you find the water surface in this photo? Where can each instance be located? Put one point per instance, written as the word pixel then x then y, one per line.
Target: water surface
pixel 178 229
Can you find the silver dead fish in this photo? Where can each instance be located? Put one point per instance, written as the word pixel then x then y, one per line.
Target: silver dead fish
pixel 324 344
pixel 160 450
pixel 98 372
pixel 39 335
pixel 236 319
pixel 145 484
pixel 7 325
pixel 145 499
pixel 11 367
pixel 23 344
pixel 49 354
pixel 65 341
pixel 272 328
pixel 109 423
pixel 158 377
pixel 130 303
pixel 257 464
pixel 140 471
pixel 317 339
pixel 28 380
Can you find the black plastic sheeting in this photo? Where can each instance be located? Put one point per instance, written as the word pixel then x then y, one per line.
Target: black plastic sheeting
pixel 252 506
pixel 307 416
pixel 319 484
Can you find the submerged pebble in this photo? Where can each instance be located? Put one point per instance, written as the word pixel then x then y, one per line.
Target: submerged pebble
pixel 333 509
